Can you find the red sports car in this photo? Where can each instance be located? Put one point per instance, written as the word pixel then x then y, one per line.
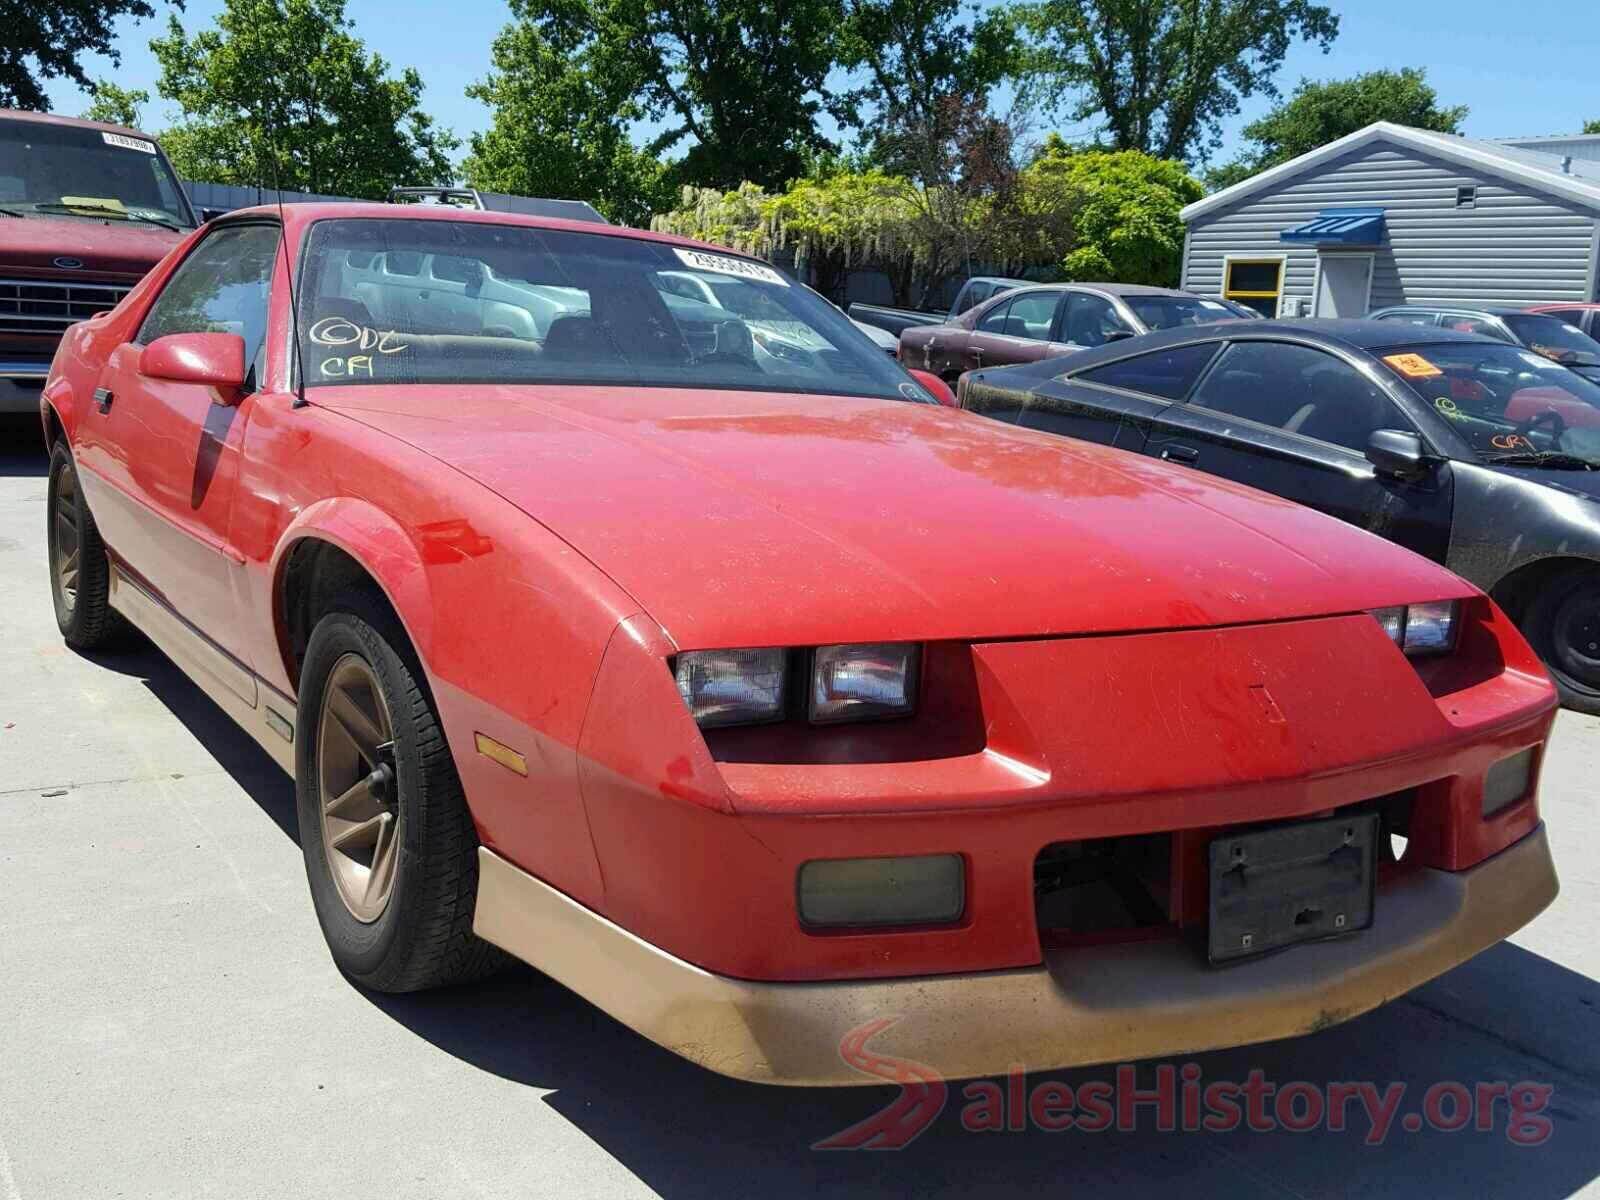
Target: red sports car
pixel 696 657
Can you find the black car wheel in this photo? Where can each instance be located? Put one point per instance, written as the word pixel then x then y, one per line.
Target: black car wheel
pixel 1563 622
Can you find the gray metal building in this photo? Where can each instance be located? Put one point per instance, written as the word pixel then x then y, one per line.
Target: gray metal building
pixel 1394 215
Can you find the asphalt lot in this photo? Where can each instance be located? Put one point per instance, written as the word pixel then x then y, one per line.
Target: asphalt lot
pixel 171 1025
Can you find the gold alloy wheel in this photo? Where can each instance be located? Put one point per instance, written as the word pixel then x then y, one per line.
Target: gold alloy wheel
pixel 357 788
pixel 68 544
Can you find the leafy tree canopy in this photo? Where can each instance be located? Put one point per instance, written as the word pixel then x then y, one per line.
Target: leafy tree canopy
pixel 1162 75
pixel 1592 126
pixel 1319 113
pixel 281 93
pixel 560 126
pixel 1123 208
pixel 46 39
pixel 115 105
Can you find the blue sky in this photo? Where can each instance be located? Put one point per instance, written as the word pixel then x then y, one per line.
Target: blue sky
pixel 1524 69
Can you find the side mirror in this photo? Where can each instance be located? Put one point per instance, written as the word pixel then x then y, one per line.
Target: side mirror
pixel 211 214
pixel 940 389
pixel 1397 453
pixel 1118 335
pixel 212 359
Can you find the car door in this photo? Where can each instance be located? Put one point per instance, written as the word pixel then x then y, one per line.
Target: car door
pixel 1294 419
pixel 1016 330
pixel 1117 402
pixel 170 450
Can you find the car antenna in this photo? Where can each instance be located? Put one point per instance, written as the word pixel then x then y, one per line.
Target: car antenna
pixel 300 400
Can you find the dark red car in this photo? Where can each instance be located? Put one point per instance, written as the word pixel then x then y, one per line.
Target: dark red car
pixel 1031 323
pixel 738 686
pixel 1585 317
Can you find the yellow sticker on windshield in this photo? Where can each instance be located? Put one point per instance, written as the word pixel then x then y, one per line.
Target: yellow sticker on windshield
pixel 1412 365
pixel 94 203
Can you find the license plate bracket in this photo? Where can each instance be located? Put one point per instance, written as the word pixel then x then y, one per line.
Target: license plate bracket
pixel 1288 884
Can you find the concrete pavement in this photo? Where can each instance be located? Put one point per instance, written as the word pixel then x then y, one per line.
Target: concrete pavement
pixel 171 1025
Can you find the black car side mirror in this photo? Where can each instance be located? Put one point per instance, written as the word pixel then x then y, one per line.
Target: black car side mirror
pixel 211 214
pixel 1397 452
pixel 1118 335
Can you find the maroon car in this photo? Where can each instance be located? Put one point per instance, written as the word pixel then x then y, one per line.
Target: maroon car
pixel 1030 323
pixel 85 210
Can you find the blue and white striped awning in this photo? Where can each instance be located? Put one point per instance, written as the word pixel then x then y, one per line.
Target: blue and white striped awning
pixel 1338 227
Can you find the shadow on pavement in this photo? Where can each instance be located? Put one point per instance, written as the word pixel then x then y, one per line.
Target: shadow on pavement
pixel 1507 1016
pixel 22 451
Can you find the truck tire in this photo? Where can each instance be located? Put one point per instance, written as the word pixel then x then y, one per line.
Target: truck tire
pixel 390 849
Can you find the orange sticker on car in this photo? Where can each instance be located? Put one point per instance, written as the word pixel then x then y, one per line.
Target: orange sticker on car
pixel 1412 365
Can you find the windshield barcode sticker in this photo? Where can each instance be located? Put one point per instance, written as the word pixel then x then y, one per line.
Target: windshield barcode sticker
pixel 723 265
pixel 128 143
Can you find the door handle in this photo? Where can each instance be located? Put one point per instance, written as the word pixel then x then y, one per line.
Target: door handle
pixel 1180 454
pixel 103 398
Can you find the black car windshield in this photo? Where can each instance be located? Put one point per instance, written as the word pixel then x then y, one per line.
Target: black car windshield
pixel 1169 312
pixel 396 300
pixel 53 170
pixel 1506 401
pixel 1553 337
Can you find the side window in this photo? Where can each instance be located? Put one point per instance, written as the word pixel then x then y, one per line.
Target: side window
pixel 222 287
pixel 1411 318
pixel 977 293
pixel 1474 325
pixel 1300 390
pixel 1168 374
pixel 1031 314
pixel 994 320
pixel 1089 318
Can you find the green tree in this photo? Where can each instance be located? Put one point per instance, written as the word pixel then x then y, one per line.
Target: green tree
pixel 281 92
pixel 1319 113
pixel 1124 208
pixel 1592 126
pixel 1162 75
pixel 740 83
pixel 560 125
pixel 46 39
pixel 115 105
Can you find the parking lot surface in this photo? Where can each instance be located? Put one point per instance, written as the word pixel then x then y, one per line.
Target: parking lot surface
pixel 171 1024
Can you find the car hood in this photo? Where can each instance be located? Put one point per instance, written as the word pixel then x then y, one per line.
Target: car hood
pixel 1574 483
pixel 750 518
pixel 105 248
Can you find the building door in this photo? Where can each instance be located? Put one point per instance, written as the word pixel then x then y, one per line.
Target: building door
pixel 1344 285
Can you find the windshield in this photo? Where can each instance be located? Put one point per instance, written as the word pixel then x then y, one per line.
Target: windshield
pixel 1553 337
pixel 1169 312
pixel 67 170
pixel 391 300
pixel 1506 401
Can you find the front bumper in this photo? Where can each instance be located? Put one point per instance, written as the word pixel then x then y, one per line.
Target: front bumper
pixel 1083 1005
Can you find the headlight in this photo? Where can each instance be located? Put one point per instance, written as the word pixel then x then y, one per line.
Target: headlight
pixel 1428 628
pixel 851 683
pixel 732 687
pixel 924 890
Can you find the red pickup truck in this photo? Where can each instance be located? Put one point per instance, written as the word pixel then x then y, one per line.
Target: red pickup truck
pixel 85 210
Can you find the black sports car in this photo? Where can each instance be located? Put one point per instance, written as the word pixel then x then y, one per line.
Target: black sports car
pixel 1480 455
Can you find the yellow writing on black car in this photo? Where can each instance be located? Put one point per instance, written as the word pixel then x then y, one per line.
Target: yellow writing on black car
pixel 1447 407
pixel 1413 366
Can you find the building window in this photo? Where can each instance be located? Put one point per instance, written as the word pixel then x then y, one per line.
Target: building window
pixel 1255 282
pixel 1466 197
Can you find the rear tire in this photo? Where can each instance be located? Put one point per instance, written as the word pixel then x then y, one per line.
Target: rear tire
pixel 390 849
pixel 80 573
pixel 1562 620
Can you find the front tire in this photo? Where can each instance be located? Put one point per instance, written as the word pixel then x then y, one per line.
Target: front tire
pixel 80 573
pixel 390 849
pixel 1563 623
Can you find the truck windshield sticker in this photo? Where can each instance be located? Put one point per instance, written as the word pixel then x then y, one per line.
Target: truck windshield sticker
pixel 128 143
pixel 723 265
pixel 1414 366
pixel 93 203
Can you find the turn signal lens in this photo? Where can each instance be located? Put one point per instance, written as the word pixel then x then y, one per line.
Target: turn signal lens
pixel 732 687
pixel 852 683
pixel 924 890
pixel 1428 628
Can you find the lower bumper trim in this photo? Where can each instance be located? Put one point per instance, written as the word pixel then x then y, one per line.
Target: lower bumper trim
pixel 1083 1006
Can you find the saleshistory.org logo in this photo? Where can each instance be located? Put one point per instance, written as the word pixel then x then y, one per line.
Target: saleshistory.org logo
pixel 1178 1098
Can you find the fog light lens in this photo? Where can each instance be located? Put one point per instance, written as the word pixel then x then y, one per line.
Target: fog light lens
pixel 925 890
pixel 852 683
pixel 1507 782
pixel 732 687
